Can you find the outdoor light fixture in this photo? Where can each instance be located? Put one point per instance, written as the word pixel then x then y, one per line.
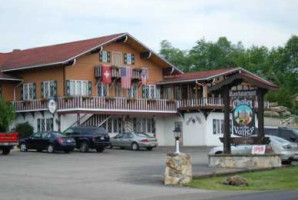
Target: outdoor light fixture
pixel 177 134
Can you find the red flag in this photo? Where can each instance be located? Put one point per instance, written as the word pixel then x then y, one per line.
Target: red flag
pixel 106 74
pixel 126 74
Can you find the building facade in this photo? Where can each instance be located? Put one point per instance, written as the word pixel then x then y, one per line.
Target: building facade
pixel 158 98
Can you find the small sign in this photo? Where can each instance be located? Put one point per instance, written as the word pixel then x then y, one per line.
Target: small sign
pixel 258 149
pixel 52 106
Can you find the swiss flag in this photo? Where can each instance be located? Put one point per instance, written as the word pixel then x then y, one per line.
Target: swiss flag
pixel 106 74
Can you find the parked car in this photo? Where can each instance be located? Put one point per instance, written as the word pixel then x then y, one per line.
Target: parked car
pixel 89 138
pixel 50 141
pixel 279 146
pixel 134 141
pixel 8 141
pixel 284 132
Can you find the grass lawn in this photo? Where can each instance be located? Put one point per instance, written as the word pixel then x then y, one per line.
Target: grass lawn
pixel 276 179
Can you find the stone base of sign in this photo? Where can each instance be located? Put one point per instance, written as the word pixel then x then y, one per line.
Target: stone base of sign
pixel 178 169
pixel 245 161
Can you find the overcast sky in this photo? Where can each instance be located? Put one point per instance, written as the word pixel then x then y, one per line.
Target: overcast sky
pixel 32 23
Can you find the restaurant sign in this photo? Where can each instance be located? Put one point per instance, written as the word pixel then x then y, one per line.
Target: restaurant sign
pixel 243 112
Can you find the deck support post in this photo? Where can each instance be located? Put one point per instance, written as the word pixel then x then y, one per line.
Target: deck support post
pixel 260 96
pixel 227 134
pixel 78 119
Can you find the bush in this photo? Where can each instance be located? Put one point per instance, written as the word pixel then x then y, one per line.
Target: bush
pixel 24 130
pixel 7 115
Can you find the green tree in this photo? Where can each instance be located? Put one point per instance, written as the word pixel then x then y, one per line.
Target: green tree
pixel 7 115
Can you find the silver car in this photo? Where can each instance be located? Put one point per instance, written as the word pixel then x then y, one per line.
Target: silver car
pixel 134 141
pixel 286 149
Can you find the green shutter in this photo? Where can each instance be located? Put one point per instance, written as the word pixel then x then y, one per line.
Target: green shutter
pixel 67 88
pixel 100 56
pixel 144 91
pixel 54 89
pixel 42 90
pixel 132 59
pixel 108 57
pixel 0 90
pixel 34 91
pixel 89 88
pixel 22 88
pixel 125 58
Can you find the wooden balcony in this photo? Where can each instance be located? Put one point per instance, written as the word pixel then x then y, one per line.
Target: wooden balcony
pixel 201 103
pixel 121 104
pixel 101 104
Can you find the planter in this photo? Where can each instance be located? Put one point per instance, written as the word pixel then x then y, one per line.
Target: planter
pixel 86 98
pixel 66 99
pixel 131 100
pixel 110 99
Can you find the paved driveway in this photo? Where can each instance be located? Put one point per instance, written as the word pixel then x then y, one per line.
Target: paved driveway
pixel 114 174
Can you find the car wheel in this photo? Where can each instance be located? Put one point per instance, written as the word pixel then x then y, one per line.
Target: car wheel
pixel 66 151
pixel 100 149
pixel 6 151
pixel 84 147
pixel 110 147
pixel 39 150
pixel 287 162
pixel 134 146
pixel 50 149
pixel 149 148
pixel 23 147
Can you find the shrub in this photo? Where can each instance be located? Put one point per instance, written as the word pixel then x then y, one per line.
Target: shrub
pixel 24 130
pixel 7 115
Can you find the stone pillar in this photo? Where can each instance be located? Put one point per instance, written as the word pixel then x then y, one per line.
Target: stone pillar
pixel 178 169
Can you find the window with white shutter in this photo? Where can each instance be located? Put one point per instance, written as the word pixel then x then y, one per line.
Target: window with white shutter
pixel 28 91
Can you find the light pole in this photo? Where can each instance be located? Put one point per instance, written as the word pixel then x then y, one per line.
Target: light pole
pixel 177 134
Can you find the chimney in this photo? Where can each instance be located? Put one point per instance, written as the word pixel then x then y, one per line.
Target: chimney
pixel 16 50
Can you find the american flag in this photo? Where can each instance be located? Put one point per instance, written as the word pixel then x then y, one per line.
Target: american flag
pixel 126 74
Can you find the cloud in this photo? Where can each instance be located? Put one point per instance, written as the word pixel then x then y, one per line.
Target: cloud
pixel 31 23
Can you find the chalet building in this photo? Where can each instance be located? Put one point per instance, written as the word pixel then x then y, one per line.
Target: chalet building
pixel 116 82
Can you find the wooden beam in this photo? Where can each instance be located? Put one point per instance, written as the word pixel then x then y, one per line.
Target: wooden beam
pixel 227 134
pixel 260 96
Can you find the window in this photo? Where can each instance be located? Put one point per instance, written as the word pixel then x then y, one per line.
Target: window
pixel 129 59
pixel 45 124
pixel 48 89
pixel 102 90
pixel 118 90
pixel 104 56
pixel 117 58
pixel 80 87
pixel 144 125
pixel 218 126
pixel 133 91
pixel 29 91
pixel 177 92
pixel 151 92
pixel 36 135
pixel 168 92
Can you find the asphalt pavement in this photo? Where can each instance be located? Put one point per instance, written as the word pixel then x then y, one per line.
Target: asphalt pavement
pixel 113 174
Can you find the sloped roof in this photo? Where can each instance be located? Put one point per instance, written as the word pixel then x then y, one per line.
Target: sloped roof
pixel 3 58
pixel 211 74
pixel 54 54
pixel 63 53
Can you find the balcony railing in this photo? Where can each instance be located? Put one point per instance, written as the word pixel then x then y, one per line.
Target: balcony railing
pixel 121 104
pixel 117 104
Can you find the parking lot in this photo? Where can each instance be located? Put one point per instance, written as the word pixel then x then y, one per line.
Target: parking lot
pixel 113 174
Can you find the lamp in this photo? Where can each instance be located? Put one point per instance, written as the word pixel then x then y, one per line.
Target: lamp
pixel 177 134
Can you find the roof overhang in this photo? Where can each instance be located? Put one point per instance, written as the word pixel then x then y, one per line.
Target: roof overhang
pixel 71 59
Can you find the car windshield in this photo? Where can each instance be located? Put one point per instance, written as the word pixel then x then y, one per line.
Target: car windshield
pixel 56 134
pixel 142 135
pixel 280 140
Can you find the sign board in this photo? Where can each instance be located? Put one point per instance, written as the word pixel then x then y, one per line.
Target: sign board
pixel 243 112
pixel 52 106
pixel 258 149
